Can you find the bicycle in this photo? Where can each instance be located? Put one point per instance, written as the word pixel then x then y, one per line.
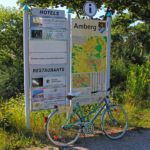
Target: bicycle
pixel 64 129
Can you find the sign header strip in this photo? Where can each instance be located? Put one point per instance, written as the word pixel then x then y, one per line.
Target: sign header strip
pixel 48 13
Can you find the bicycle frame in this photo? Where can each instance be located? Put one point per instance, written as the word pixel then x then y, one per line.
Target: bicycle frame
pixel 97 111
pixel 80 121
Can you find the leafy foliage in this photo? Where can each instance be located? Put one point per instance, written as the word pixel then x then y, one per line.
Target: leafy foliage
pixel 76 6
pixel 138 84
pixel 130 42
pixel 12 125
pixel 11 52
pixel 129 67
pixel 140 9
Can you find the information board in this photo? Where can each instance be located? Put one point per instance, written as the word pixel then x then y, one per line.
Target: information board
pixel 48 58
pixel 89 58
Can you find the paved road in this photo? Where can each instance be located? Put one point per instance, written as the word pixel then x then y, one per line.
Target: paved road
pixel 133 140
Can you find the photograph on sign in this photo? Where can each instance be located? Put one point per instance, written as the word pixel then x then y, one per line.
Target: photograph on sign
pixel 47 34
pixel 45 94
pixel 36 34
pixel 89 55
pixel 38 94
pixel 37 82
pixel 48 90
pixel 52 23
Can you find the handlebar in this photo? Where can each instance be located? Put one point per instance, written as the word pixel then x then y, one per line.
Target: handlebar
pixel 109 89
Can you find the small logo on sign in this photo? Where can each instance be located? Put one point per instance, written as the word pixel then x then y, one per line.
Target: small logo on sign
pixel 90 8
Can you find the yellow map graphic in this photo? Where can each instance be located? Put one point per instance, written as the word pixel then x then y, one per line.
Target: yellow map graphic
pixel 87 57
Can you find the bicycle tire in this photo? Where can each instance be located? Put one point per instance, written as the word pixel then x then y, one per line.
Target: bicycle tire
pixel 114 122
pixel 57 134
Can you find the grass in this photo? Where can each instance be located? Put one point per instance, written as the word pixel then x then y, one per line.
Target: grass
pixel 3 137
pixel 14 135
pixel 12 126
pixel 138 117
pixel 16 140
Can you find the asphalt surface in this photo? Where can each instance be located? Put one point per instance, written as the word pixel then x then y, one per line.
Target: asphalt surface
pixel 138 139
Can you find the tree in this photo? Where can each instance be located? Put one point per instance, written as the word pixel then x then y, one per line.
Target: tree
pixel 129 47
pixel 140 9
pixel 129 43
pixel 130 40
pixel 11 52
pixel 76 6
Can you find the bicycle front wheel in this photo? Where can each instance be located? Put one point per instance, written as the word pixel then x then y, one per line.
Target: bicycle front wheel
pixel 61 129
pixel 114 121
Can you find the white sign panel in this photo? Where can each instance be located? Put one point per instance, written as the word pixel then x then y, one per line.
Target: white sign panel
pixel 48 58
pixel 48 13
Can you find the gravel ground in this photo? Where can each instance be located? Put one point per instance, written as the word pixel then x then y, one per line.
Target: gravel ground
pixel 138 139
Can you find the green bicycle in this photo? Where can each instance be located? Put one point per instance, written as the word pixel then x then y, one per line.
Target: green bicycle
pixel 65 128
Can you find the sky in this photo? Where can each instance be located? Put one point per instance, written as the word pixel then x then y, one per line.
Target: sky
pixel 12 3
pixel 8 3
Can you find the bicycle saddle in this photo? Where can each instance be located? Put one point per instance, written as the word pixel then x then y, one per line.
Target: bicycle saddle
pixel 72 95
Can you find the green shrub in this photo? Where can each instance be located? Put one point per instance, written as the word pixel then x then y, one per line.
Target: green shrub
pixel 11 52
pixel 12 116
pixel 119 72
pixel 12 125
pixel 138 85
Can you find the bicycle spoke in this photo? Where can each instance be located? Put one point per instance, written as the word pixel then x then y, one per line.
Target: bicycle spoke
pixel 114 122
pixel 62 132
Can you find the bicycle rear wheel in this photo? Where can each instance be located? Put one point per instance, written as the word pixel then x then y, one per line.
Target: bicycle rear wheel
pixel 114 121
pixel 60 131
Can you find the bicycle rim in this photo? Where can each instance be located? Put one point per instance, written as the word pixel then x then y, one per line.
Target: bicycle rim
pixel 59 135
pixel 114 122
